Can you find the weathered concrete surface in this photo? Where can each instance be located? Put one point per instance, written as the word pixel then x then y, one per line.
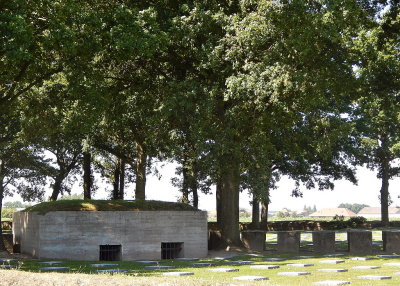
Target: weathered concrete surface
pixel 391 241
pixel 254 239
pixel 288 241
pixel 359 241
pixel 323 241
pixel 78 235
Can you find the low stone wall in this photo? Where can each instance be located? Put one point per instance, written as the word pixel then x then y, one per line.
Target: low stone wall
pixel 78 235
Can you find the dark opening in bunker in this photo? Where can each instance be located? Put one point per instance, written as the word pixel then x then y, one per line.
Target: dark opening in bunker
pixel 171 250
pixel 110 252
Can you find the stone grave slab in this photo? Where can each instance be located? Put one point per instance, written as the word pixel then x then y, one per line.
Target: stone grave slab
pixel 388 256
pixel 223 270
pixel 332 270
pixel 250 278
pixel 361 258
pixel 334 255
pixel 359 241
pixel 392 264
pixel 177 273
pixel 299 264
pixel 202 264
pixel 374 277
pixel 274 259
pixel 8 266
pixel 264 266
pixel 288 241
pixel 146 261
pixel 112 271
pixel 51 262
pixel 332 282
pixel 332 261
pixel 304 257
pixel 8 260
pixel 54 269
pixel 153 267
pixel 366 267
pixel 99 265
pixel 240 262
pixel 186 259
pixel 396 273
pixel 254 255
pixel 293 273
pixel 324 241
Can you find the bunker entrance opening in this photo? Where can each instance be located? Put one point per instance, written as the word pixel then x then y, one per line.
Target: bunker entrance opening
pixel 110 252
pixel 171 250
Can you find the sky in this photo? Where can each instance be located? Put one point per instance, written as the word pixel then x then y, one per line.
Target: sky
pixel 366 192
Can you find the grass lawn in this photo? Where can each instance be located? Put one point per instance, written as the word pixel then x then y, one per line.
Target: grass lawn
pixel 204 277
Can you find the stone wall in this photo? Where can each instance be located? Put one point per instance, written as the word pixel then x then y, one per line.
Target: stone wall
pixel 78 235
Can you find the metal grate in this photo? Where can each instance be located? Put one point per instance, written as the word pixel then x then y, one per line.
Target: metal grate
pixel 171 250
pixel 110 252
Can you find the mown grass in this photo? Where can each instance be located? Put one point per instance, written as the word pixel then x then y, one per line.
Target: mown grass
pixel 106 205
pixel 202 276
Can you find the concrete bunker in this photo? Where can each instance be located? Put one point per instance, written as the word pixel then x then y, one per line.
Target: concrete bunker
pixel 112 233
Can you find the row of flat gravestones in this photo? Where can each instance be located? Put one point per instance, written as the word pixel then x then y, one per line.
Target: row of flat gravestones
pixel 49 266
pixel 323 241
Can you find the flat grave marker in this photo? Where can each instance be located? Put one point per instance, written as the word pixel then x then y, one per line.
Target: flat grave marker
pixel 332 282
pixel 112 271
pixel 332 270
pixel 299 264
pixel 392 264
pixel 202 264
pixel 186 259
pixel 250 278
pixel 361 258
pixel 159 267
pixel 54 269
pixel 374 277
pixel 177 273
pixel 293 273
pixel 274 259
pixel 99 265
pixel 240 262
pixel 264 266
pixel 332 261
pixel 223 270
pixel 51 262
pixel 366 267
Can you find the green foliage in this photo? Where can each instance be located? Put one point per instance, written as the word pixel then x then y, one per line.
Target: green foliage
pixel 14 205
pixel 353 207
pixel 71 197
pixel 356 221
pixel 7 212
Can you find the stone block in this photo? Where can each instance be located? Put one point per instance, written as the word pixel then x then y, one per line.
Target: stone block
pixel 223 270
pixel 264 266
pixel 331 270
pixel 332 282
pixel 288 241
pixel 391 241
pixel 299 265
pixel 374 277
pixel 323 241
pixel 332 261
pixel 250 278
pixel 359 241
pixel 363 267
pixel 274 259
pixel 177 273
pixel 293 273
pixel 254 239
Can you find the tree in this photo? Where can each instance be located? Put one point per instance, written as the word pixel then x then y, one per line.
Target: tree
pixel 279 77
pixel 353 207
pixel 377 110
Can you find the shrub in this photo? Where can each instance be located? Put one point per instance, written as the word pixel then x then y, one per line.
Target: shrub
pixel 356 221
pixel 7 212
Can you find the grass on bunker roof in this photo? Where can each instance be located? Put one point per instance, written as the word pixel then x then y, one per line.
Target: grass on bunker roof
pixel 107 205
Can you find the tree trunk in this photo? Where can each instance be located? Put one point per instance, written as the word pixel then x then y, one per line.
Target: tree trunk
pixel 385 192
pixel 255 216
pixel 2 246
pixel 140 191
pixel 264 212
pixel 87 176
pixel 185 181
pixel 229 223
pixel 121 179
pixel 115 195
pixel 218 201
pixel 57 187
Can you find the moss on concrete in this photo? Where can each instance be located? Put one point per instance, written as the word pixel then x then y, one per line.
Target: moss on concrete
pixel 103 205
